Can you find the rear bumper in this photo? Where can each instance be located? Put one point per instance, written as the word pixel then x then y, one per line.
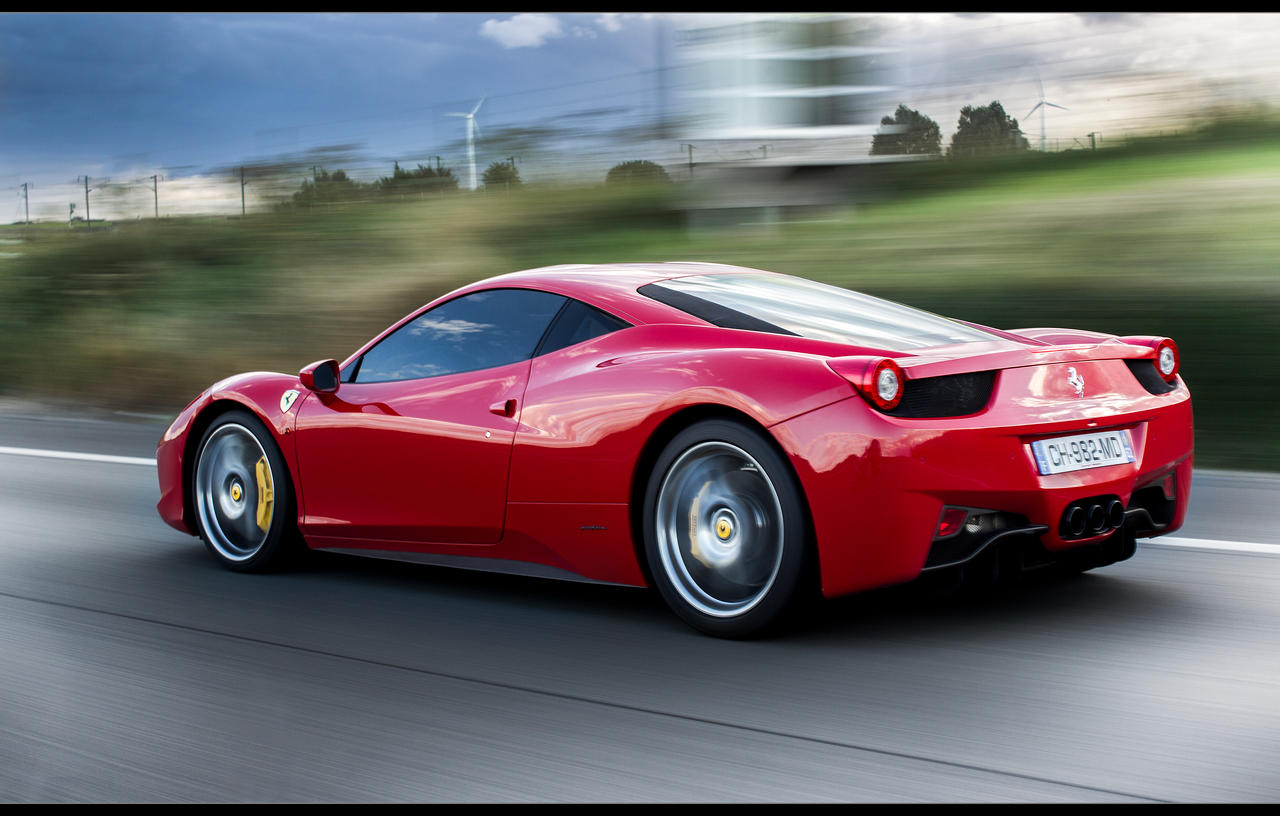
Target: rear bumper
pixel 877 485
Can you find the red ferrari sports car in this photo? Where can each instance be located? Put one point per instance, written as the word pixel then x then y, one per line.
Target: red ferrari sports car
pixel 739 439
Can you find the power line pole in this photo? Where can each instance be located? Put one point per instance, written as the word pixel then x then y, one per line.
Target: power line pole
pixel 242 183
pixel 155 192
pixel 690 149
pixel 26 202
pixel 87 220
pixel 1093 139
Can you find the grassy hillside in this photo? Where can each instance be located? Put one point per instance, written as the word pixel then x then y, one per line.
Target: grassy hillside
pixel 1180 242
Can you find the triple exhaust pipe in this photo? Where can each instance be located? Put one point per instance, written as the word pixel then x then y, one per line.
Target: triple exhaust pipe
pixel 1090 517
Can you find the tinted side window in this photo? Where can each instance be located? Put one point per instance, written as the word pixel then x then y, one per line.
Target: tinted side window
pixel 475 331
pixel 579 322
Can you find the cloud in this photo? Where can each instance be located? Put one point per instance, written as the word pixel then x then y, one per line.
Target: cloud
pixel 1108 17
pixel 522 30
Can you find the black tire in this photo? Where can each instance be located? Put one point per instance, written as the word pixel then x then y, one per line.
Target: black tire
pixel 726 532
pixel 239 482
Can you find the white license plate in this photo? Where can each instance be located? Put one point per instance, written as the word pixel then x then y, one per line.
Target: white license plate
pixel 1082 451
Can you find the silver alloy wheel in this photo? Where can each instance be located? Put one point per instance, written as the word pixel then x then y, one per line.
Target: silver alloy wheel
pixel 719 529
pixel 234 492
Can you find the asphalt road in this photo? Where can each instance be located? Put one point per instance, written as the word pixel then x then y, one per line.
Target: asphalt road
pixel 133 668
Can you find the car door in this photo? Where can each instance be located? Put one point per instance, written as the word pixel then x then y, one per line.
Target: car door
pixel 416 446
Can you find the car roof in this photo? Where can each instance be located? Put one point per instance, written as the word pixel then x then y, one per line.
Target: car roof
pixel 613 286
pixel 608 276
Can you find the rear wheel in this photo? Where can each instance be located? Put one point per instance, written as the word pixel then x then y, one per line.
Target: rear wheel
pixel 242 496
pixel 726 533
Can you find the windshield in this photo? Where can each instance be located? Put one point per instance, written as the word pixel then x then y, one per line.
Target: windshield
pixel 788 305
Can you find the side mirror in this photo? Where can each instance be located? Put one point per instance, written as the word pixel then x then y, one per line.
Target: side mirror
pixel 322 376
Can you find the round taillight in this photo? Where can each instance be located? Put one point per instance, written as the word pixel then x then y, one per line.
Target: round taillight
pixel 886 385
pixel 1167 359
pixel 879 380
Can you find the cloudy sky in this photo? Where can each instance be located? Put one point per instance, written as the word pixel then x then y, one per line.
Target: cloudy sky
pixel 121 97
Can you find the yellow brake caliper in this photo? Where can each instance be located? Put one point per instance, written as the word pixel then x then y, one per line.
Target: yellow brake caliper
pixel 694 549
pixel 265 494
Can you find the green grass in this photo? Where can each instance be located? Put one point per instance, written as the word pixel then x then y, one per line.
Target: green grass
pixel 1176 238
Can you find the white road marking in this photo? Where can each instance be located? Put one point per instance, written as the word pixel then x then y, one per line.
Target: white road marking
pixel 1169 542
pixel 1210 545
pixel 83 457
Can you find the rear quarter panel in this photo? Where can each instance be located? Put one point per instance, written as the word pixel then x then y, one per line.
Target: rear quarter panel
pixel 589 416
pixel 590 408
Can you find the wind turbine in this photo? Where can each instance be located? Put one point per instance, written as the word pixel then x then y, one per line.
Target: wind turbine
pixel 1042 104
pixel 472 127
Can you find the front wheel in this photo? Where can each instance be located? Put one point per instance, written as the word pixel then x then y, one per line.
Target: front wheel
pixel 240 488
pixel 725 530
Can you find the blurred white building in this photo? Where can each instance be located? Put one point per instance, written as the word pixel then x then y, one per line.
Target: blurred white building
pixel 780 109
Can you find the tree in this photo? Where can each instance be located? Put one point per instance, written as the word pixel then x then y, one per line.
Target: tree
pixel 913 134
pixel 421 180
pixel 324 188
pixel 986 131
pixel 637 172
pixel 501 174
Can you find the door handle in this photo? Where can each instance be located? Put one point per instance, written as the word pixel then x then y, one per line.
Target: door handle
pixel 504 409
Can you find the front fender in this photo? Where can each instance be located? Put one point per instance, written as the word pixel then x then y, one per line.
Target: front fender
pixel 259 392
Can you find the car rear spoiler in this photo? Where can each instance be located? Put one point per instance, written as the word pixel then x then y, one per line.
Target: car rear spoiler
pixel 970 357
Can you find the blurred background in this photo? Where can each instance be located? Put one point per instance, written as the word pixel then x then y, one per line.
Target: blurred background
pixel 194 195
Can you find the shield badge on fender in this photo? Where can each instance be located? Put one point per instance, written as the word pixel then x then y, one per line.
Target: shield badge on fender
pixel 287 398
